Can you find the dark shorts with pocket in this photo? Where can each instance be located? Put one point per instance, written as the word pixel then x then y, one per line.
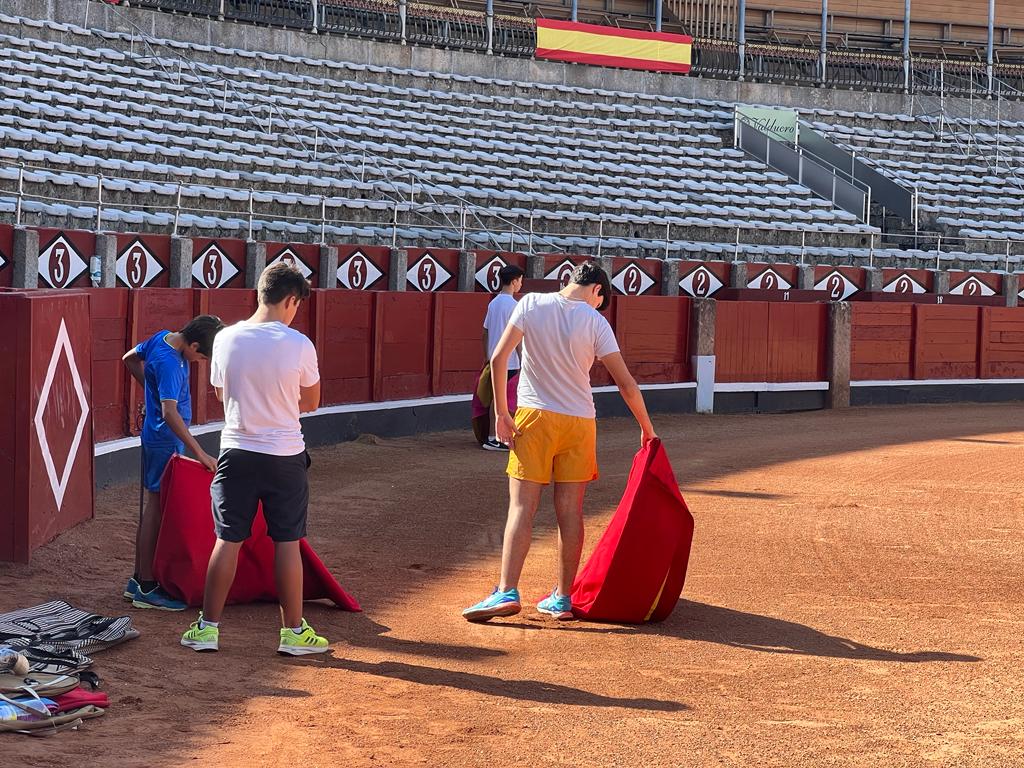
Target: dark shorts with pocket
pixel 244 479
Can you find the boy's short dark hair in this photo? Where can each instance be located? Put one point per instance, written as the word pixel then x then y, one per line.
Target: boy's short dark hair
pixel 509 273
pixel 279 281
pixel 588 273
pixel 201 330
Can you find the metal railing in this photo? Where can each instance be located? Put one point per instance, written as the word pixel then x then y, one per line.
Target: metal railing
pixel 459 228
pixel 396 20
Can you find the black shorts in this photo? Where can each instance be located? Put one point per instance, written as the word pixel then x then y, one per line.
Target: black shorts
pixel 246 478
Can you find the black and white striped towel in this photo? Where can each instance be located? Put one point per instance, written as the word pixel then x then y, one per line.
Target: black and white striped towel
pixel 57 638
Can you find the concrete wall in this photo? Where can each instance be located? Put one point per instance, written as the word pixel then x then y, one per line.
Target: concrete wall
pixel 97 15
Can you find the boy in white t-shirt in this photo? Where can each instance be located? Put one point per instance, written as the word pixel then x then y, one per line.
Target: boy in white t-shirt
pixel 554 433
pixel 498 313
pixel 266 374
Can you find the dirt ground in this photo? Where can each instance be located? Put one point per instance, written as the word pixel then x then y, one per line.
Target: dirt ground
pixel 854 599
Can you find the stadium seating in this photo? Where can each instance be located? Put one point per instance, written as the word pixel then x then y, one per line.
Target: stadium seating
pixel 226 141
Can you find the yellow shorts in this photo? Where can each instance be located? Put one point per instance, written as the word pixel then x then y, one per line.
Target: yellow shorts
pixel 553 446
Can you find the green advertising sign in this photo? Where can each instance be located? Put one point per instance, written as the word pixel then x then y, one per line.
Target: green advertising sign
pixel 778 123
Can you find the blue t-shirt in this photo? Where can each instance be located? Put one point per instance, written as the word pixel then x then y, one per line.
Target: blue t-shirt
pixel 166 373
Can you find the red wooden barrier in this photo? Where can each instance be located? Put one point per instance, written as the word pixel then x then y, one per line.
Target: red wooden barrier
pixel 945 341
pixel 46 426
pixel 840 283
pixel 361 268
pixel 653 334
pixel 703 279
pixel 881 342
pixel 432 269
pixel 143 260
pixel 558 266
pixel 109 322
pixel 345 339
pixel 797 336
pixel 230 305
pixel 741 341
pixel 458 345
pixel 303 256
pixel 218 263
pixel 402 333
pixel 1002 343
pixel 636 277
pixel 487 265
pixel 975 284
pixel 151 310
pixel 6 248
pixel 907 281
pixel 771 277
pixel 64 258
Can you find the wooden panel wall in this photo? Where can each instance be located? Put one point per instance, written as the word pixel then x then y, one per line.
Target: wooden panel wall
pixel 881 342
pixel 741 341
pixel 945 341
pixel 109 317
pixel 797 334
pixel 1002 343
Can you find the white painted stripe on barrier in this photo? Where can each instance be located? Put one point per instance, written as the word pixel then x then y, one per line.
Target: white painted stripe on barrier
pixel 767 386
pixel 931 382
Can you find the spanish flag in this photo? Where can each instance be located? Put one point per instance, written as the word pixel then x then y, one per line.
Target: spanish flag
pixel 612 47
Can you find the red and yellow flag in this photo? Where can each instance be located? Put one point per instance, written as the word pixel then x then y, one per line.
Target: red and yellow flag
pixel 612 47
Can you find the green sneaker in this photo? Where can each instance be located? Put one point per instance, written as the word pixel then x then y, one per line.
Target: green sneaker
pixel 301 643
pixel 205 639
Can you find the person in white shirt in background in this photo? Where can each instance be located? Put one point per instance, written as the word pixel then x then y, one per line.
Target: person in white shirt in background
pixel 266 374
pixel 510 278
pixel 554 433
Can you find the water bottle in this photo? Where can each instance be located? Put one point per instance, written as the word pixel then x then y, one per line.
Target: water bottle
pixel 12 661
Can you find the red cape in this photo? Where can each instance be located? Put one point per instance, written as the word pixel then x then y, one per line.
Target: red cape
pixel 186 541
pixel 637 570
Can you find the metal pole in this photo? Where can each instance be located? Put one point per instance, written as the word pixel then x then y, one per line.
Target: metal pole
pixel 938 253
pixel 490 27
pixel 991 41
pixel 402 10
pixel 394 228
pixel 741 27
pixel 824 40
pixel 600 235
pixel 99 201
pixel 220 12
pixel 177 210
pixel 323 220
pixel 462 218
pixel 668 232
pixel 906 46
pixel 575 10
pixel 657 15
pixel 21 193
pixel 316 16
pixel 529 245
pixel 871 251
pixel 250 211
pixel 316 142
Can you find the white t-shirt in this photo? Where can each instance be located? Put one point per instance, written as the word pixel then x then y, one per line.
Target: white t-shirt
pixel 561 340
pixel 498 312
pixel 260 367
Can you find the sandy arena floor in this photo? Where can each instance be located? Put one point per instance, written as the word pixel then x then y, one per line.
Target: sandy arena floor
pixel 854 599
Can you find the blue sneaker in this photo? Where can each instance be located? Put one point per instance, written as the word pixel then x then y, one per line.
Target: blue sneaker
pixel 131 589
pixel 559 606
pixel 157 598
pixel 498 604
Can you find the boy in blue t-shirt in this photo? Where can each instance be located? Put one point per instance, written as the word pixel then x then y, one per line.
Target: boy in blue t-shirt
pixel 161 365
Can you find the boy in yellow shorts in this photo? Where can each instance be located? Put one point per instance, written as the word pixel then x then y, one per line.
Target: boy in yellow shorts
pixel 554 433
